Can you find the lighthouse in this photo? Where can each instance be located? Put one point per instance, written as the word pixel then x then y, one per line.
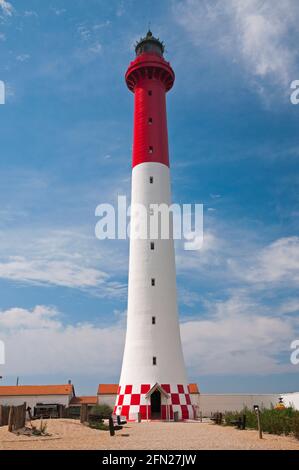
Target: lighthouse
pixel 153 382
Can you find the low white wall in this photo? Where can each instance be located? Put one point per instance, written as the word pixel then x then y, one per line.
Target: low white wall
pixel 291 399
pixel 234 402
pixel 32 400
pixel 194 397
pixel 107 400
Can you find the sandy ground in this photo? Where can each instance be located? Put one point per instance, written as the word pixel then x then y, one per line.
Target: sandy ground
pixel 71 435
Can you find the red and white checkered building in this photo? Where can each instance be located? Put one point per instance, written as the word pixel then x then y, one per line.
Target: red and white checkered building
pixel 132 400
pixel 153 380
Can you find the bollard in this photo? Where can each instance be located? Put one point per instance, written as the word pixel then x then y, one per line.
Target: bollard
pixel 111 426
pixel 139 417
pixel 176 416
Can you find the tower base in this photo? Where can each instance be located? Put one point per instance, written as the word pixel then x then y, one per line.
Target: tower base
pixel 154 401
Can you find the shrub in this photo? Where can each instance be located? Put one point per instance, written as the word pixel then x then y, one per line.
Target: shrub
pixel 102 411
pixel 296 426
pixel 273 421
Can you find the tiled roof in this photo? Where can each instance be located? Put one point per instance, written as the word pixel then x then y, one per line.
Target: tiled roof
pixel 193 388
pixel 107 389
pixel 84 400
pixel 26 390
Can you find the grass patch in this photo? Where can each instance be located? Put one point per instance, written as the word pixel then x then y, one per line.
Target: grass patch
pixel 280 422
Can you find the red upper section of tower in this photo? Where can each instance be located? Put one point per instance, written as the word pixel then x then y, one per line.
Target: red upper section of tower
pixel 149 77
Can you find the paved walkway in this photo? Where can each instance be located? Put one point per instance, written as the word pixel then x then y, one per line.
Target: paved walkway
pixel 68 434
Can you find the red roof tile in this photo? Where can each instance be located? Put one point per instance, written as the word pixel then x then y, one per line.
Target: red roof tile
pixel 193 388
pixel 107 389
pixel 22 390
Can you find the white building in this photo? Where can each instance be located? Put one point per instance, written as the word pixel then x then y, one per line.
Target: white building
pixel 107 394
pixel 34 394
pixel 291 399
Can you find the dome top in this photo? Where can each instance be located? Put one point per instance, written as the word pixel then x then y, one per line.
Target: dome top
pixel 150 44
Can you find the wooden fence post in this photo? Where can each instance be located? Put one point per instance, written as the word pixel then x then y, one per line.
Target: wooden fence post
pixel 11 419
pixel 23 422
pixel 259 424
pixel 84 413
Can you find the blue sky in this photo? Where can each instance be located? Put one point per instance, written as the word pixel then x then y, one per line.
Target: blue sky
pixel 66 134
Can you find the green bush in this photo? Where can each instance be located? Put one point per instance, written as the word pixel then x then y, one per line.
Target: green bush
pixel 273 421
pixel 103 411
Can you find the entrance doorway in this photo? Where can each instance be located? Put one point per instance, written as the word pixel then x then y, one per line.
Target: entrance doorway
pixel 156 405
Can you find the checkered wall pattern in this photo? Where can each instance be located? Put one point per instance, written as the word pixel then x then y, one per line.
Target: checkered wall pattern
pixel 131 400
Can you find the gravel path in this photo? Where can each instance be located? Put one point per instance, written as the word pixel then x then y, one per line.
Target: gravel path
pixel 69 435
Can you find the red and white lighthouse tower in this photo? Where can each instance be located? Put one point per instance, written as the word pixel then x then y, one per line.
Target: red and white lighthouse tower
pixel 153 379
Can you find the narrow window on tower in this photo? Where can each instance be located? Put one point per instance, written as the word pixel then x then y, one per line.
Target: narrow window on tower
pixel 153 282
pixel 150 120
pixel 151 149
pixel 154 361
pixel 151 179
pixel 150 93
pixel 152 246
pixel 153 320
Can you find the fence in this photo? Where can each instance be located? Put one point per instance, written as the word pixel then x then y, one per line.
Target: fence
pixel 84 412
pixel 4 413
pixel 13 416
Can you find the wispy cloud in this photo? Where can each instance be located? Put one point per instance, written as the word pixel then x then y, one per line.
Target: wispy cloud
pixel 23 57
pixel 260 35
pixel 30 13
pixel 95 48
pixel 58 11
pixel 6 7
pixel 62 258
pixel 277 263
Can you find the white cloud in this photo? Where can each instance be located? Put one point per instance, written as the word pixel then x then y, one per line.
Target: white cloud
pixel 84 32
pixel 19 318
pixel 92 46
pixel 36 342
pixel 239 336
pixel 276 263
pixel 251 331
pixel 258 34
pixel 96 48
pixel 289 306
pixel 66 258
pixel 23 57
pixel 121 10
pixel 58 12
pixel 30 13
pixel 62 273
pixel 239 257
pixel 6 7
pixel 236 339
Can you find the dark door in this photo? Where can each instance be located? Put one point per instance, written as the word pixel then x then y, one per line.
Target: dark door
pixel 156 405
